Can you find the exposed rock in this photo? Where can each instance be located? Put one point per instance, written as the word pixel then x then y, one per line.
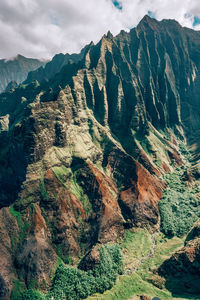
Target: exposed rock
pixel 91 259
pixel 4 123
pixel 35 262
pixel 194 232
pixel 182 270
pixel 145 297
pixel 8 237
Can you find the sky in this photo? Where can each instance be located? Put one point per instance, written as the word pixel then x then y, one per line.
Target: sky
pixel 42 28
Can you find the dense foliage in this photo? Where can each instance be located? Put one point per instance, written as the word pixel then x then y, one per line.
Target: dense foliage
pixel 73 284
pixel 32 295
pixel 178 212
pixel 179 207
pixel 111 264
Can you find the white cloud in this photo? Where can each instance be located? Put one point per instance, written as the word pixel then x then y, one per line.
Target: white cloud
pixel 42 28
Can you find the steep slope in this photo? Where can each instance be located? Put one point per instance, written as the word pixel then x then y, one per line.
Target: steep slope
pixel 17 69
pixel 81 155
pixel 183 268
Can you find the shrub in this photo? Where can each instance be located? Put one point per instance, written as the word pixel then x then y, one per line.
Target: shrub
pixel 71 283
pixel 74 284
pixel 179 208
pixel 117 258
pixel 31 295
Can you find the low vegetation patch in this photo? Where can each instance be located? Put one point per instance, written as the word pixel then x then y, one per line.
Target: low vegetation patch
pixel 31 295
pixel 18 289
pixel 23 227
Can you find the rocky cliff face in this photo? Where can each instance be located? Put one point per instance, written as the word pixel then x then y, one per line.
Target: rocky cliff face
pixel 17 69
pixel 81 154
pixel 183 268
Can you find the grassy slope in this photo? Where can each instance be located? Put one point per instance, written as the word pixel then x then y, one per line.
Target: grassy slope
pixel 137 245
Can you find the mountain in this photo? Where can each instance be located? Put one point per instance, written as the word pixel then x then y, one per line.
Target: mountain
pixel 17 69
pixel 55 65
pixel 108 143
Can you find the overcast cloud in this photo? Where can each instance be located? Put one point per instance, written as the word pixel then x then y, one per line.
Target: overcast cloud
pixel 42 28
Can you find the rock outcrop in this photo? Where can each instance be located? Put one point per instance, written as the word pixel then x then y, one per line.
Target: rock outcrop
pixel 182 270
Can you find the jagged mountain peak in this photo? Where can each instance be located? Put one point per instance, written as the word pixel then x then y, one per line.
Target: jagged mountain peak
pixel 109 35
pixel 154 24
pixel 147 21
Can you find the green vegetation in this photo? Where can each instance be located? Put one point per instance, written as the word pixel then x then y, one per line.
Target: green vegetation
pixel 31 295
pixel 143 280
pixel 73 284
pixel 43 190
pixel 17 215
pixel 66 258
pixel 62 173
pixel 179 207
pixel 15 240
pixel 179 211
pixel 128 286
pixel 17 290
pixel 111 264
pixel 136 243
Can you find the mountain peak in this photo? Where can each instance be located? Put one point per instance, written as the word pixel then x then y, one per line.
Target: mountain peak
pixel 20 56
pixel 146 18
pixel 147 21
pixel 109 35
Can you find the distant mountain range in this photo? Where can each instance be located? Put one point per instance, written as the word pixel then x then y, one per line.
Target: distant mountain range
pixel 17 69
